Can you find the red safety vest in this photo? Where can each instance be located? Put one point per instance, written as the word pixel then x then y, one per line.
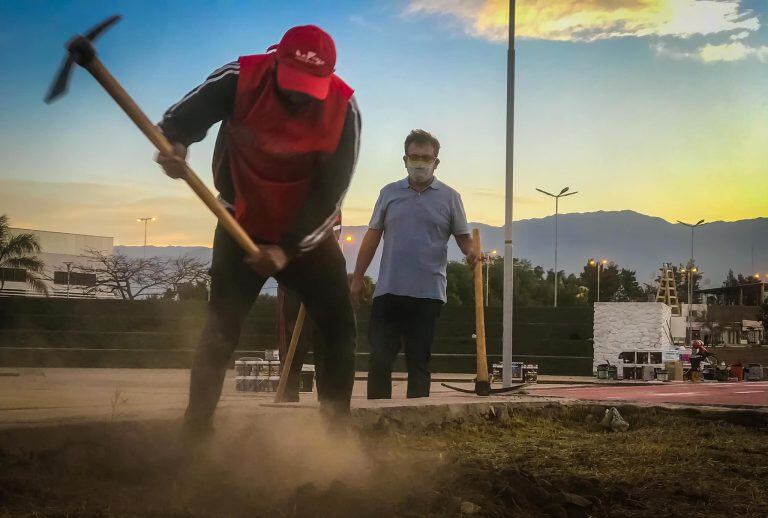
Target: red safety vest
pixel 274 148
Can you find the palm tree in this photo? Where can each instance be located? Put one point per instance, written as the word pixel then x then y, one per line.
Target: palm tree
pixel 20 251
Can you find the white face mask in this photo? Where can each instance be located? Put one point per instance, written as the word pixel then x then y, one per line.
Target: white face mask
pixel 420 172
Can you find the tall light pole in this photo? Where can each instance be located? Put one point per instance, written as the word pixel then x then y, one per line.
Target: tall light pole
pixel 487 278
pixel 506 359
pixel 69 269
pixel 145 221
pixel 557 197
pixel 599 266
pixel 691 269
pixel 692 226
pixel 690 272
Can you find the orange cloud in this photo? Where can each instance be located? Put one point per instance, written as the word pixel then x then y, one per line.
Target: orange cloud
pixel 591 20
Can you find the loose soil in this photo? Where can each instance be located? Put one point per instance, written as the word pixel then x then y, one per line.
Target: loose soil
pixel 556 461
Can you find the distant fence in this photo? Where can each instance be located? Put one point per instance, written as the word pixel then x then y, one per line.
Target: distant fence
pixel 48 332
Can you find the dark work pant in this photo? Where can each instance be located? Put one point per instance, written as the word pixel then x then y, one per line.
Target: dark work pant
pixel 288 304
pixel 396 322
pixel 319 277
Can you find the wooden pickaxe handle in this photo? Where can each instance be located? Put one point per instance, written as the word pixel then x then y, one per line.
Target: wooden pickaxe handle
pixel 288 362
pixel 121 97
pixel 482 359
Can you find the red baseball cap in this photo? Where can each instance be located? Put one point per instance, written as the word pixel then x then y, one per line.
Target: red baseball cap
pixel 306 57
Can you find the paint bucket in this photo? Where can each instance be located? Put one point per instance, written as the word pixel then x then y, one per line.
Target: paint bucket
pixel 530 373
pixel 252 367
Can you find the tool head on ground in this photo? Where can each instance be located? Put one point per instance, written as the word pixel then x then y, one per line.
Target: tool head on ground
pixel 79 50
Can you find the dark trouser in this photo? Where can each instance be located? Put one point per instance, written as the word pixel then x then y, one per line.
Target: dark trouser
pixel 320 279
pixel 288 304
pixel 695 365
pixel 401 321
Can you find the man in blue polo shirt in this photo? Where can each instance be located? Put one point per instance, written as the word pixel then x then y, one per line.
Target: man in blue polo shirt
pixel 417 216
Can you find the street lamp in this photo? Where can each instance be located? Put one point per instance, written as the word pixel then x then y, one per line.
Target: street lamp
pixel 600 265
pixel 348 238
pixel 692 226
pixel 557 197
pixel 487 279
pixel 145 221
pixel 691 271
pixel 69 269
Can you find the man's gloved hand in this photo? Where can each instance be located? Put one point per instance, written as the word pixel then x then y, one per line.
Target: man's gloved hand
pixel 270 260
pixel 173 165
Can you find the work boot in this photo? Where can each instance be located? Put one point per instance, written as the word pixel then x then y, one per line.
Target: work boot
pixel 337 417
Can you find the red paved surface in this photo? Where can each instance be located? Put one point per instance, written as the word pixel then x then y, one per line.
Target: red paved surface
pixel 744 393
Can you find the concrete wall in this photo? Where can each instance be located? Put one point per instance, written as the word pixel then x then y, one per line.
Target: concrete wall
pixel 621 326
pixel 56 249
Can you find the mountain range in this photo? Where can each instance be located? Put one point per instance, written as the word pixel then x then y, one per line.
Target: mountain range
pixel 632 240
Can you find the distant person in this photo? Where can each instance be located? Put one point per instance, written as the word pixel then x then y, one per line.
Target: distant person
pixel 417 216
pixel 698 353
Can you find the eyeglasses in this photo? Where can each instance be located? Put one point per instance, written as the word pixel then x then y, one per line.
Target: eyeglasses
pixel 421 158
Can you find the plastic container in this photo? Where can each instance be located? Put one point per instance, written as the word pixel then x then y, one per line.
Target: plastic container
pixel 755 372
pixel 662 375
pixel 613 372
pixel 648 372
pixel 602 371
pixel 737 371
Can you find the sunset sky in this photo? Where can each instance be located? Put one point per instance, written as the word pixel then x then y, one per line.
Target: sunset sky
pixel 659 106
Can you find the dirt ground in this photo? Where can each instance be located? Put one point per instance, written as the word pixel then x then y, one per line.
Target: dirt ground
pixel 555 461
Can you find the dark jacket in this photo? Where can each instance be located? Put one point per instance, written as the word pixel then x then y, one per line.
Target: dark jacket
pixel 188 121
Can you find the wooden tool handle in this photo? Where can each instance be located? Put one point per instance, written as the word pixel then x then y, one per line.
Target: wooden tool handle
pixel 482 359
pixel 286 372
pixel 121 97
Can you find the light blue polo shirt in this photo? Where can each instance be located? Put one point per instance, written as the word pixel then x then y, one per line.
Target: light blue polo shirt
pixel 417 227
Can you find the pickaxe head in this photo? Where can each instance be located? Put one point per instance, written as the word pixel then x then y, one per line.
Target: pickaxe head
pixel 79 50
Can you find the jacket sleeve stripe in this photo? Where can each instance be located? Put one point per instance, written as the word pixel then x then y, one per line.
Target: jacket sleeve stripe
pixel 229 69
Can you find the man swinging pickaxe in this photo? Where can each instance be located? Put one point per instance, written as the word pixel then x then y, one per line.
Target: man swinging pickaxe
pixel 284 158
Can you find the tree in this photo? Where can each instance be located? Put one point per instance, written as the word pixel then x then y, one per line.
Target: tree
pixel 735 280
pixel 532 286
pixel 460 288
pixel 133 278
pixel 20 252
pixel 616 285
pixel 186 278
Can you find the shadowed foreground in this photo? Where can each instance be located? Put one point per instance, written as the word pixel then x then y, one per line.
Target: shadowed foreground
pixel 554 461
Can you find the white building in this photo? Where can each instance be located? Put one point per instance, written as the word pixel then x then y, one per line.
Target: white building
pixel 60 252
